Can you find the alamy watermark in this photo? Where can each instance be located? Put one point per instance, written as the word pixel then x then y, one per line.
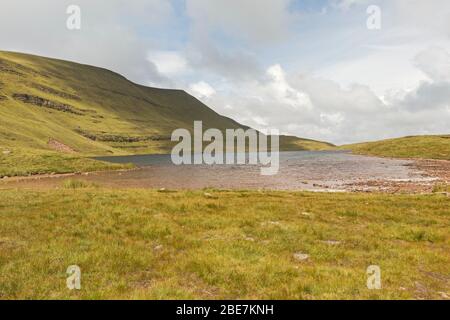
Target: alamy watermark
pixel 373 277
pixel 73 281
pixel 374 20
pixel 73 22
pixel 231 148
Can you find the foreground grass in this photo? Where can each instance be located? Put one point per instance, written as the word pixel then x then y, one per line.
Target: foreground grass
pixel 195 245
pixel 425 147
pixel 24 162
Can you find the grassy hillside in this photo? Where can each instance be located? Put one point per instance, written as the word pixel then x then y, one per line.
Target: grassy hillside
pixel 54 105
pixel 427 147
pixel 143 244
pixel 289 143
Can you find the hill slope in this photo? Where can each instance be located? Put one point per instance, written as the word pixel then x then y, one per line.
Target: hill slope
pixel 426 147
pixel 48 104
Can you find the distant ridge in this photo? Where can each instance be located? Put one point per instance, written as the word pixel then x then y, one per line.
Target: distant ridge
pixel 423 147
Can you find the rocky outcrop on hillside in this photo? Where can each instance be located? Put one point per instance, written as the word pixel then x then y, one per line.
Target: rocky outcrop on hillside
pixel 120 137
pixel 41 102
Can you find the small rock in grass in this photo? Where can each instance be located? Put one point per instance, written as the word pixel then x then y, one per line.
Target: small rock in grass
pixel 6 152
pixel 209 195
pixel 274 223
pixel 306 214
pixel 444 295
pixel 332 242
pixel 159 247
pixel 301 256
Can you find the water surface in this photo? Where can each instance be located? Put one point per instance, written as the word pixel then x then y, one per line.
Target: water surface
pixel 305 170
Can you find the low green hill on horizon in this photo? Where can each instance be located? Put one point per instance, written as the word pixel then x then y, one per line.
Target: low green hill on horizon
pixel 72 110
pixel 424 147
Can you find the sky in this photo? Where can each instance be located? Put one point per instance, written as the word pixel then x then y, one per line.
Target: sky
pixel 311 68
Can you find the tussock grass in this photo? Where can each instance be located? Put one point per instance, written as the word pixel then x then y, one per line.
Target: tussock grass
pixel 78 184
pixel 135 244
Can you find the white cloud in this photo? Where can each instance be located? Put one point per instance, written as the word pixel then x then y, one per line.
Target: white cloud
pixel 234 65
pixel 435 62
pixel 262 122
pixel 427 17
pixel 383 69
pixel 202 90
pixel 169 63
pixel 283 92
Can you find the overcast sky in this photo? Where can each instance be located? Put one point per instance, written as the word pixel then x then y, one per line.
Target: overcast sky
pixel 310 68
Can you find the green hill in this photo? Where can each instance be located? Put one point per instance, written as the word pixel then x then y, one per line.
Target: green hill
pixel 69 111
pixel 425 147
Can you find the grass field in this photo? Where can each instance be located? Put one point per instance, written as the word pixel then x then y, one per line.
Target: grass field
pixel 208 244
pixel 424 147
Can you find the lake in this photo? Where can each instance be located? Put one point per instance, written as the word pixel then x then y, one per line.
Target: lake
pixel 303 170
